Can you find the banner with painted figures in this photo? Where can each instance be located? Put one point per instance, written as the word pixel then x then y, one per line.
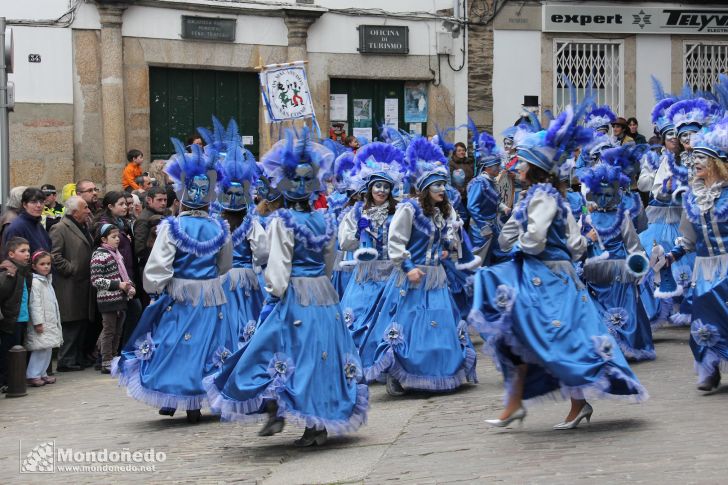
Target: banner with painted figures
pixel 285 92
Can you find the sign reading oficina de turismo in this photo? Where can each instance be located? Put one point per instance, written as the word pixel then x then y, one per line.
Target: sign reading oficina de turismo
pixel 285 91
pixel 639 20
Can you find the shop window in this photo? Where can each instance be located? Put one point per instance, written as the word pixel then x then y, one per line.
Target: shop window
pixel 702 62
pixel 595 65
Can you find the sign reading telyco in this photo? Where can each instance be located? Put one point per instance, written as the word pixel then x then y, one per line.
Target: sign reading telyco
pixel 634 20
pixel 206 28
pixel 383 39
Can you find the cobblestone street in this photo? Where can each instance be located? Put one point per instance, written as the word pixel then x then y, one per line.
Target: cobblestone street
pixel 678 436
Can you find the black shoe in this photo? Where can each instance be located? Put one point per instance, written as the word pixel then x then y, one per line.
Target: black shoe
pixel 394 388
pixel 710 383
pixel 167 411
pixel 106 370
pixel 3 389
pixel 69 368
pixel 312 436
pixel 273 426
pixel 193 415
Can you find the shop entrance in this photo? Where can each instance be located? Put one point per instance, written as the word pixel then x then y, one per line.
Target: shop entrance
pixel 182 99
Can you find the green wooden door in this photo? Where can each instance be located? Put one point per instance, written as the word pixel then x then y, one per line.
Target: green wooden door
pixel 377 92
pixel 183 99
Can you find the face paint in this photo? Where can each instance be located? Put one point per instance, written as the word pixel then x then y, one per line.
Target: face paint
pixel 197 189
pixel 437 188
pixel 685 137
pixel 458 177
pixel 508 143
pixel 700 159
pixel 381 187
pixel 670 135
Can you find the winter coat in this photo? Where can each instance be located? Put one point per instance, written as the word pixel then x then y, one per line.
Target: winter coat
pixel 30 229
pixel 72 278
pixel 43 310
pixel 105 277
pixel 12 278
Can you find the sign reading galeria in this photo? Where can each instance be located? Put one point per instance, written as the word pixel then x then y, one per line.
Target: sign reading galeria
pixel 635 20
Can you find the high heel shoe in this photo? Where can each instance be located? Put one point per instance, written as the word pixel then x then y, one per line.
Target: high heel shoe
pixel 519 415
pixel 585 413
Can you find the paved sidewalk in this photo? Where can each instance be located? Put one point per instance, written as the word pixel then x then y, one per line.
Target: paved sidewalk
pixel 679 436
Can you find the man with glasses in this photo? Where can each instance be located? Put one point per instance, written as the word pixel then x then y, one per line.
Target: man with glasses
pixel 52 210
pixel 28 223
pixel 88 191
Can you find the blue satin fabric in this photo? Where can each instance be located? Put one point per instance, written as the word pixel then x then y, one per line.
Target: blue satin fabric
pixel 546 322
pixel 359 306
pixel 614 245
pixel 316 341
pixel 576 203
pixel 710 309
pixel 340 277
pixel 460 283
pixel 242 255
pixel 431 352
pixel 456 200
pixel 418 245
pixel 557 248
pixel 306 262
pixel 483 212
pixel 633 203
pixel 664 234
pixel 190 266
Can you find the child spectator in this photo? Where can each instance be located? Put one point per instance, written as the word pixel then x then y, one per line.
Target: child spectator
pixel 15 284
pixel 132 170
pixel 114 287
pixel 44 329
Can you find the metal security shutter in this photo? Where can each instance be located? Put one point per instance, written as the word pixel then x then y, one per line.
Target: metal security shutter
pixel 586 63
pixel 183 99
pixel 702 62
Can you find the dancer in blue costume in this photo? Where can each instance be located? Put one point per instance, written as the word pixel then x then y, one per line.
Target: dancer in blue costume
pixel 364 231
pixel 267 200
pixel 613 257
pixel 536 316
pixel 340 202
pixel 301 363
pixel 417 341
pixel 704 229
pixel 182 336
pixel 484 203
pixel 241 285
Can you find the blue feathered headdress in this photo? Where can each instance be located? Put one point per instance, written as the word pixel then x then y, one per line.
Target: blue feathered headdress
pixel 239 175
pixel 399 138
pixel 659 115
pixel 524 126
pixel 194 175
pixel 344 165
pixel 625 157
pixel 298 166
pixel 441 140
pixel 378 161
pixel 426 164
pixel 603 177
pixel 487 152
pixel 689 115
pixel 600 117
pixel 217 141
pixel 713 140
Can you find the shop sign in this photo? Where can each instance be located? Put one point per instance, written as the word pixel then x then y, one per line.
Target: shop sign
pixel 206 28
pixel 634 20
pixel 383 39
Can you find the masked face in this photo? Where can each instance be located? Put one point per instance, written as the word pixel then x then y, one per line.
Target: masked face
pixel 458 177
pixel 382 188
pixel 198 189
pixel 234 197
pixel 685 138
pixel 670 135
pixel 437 188
pixel 302 180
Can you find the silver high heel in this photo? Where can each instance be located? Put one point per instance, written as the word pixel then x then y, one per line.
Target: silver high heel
pixel 518 415
pixel 585 413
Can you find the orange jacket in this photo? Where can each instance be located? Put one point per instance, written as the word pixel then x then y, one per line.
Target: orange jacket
pixel 131 171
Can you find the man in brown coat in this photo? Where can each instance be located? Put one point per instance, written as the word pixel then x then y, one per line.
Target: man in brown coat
pixel 72 246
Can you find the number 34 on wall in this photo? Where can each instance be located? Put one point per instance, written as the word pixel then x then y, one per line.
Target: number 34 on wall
pixel 34 58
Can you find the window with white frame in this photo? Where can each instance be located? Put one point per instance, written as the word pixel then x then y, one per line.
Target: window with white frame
pixel 594 65
pixel 702 62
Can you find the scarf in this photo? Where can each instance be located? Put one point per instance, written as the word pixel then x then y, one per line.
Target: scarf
pixel 119 261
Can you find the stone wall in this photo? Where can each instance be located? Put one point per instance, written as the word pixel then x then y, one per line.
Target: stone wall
pixel 41 144
pixel 480 64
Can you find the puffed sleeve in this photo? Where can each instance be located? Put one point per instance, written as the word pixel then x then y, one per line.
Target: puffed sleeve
pixel 400 230
pixel 686 242
pixel 159 271
pixel 576 242
pixel 509 234
pixel 278 271
pixel 662 173
pixel 541 212
pixel 347 233
pixel 646 180
pixel 630 238
pixel 258 243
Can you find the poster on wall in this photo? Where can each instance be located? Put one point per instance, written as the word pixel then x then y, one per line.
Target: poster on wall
pixel 338 107
pixel 415 128
pixel 285 92
pixel 415 102
pixel 391 112
pixel 362 112
pixel 365 133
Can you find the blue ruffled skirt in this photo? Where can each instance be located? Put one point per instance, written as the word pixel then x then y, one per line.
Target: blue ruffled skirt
pixel 302 357
pixel 663 229
pixel 342 272
pixel 363 296
pixel 529 314
pixel 174 346
pixel 245 301
pixel 460 283
pixel 418 336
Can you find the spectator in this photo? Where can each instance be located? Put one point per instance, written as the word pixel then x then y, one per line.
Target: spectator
pixel 133 169
pixel 88 191
pixel 15 285
pixel 12 208
pixel 52 210
pixel 194 139
pixel 134 307
pixel 461 161
pixel 28 223
pixel 143 182
pixel 352 143
pixel 71 251
pixel 114 213
pixel 619 130
pixel 114 287
pixel 636 136
pixel 156 204
pixel 156 172
pixel 44 330
pixel 135 206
